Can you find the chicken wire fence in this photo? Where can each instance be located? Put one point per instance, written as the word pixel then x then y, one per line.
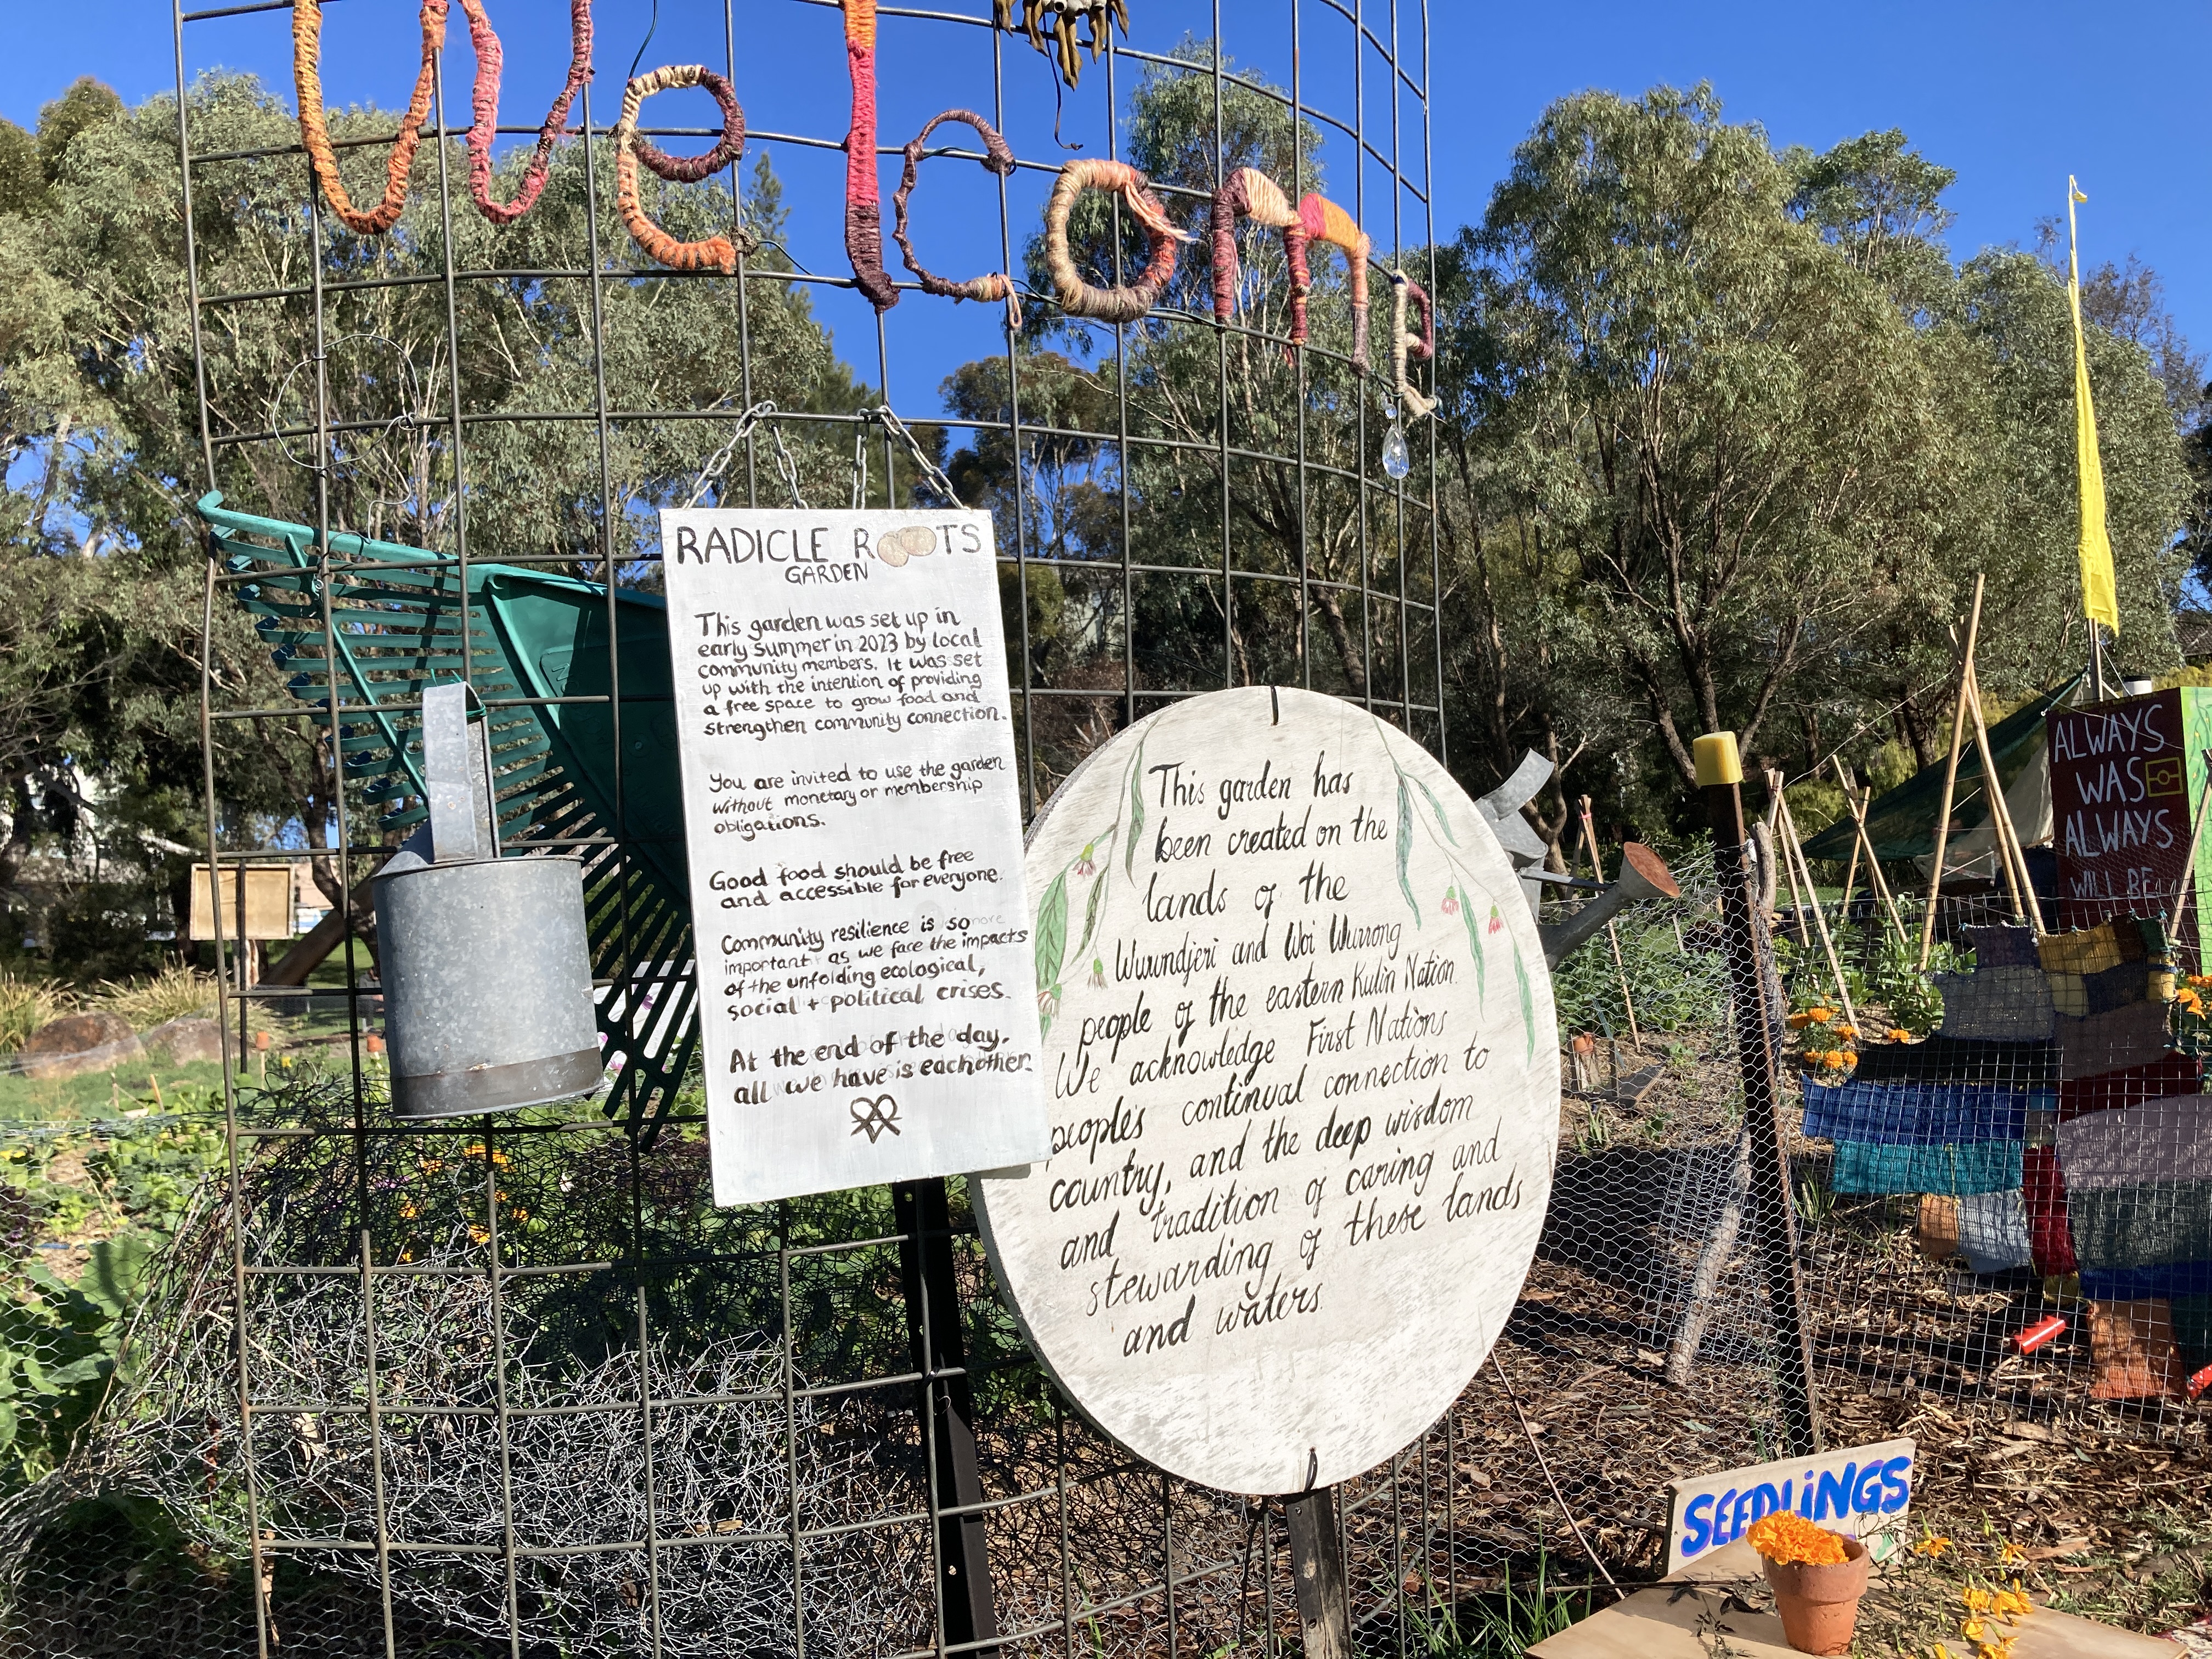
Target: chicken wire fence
pixel 517 1386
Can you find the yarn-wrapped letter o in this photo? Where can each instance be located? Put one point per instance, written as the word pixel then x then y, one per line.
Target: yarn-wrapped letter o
pixel 718 252
pixel 998 158
pixel 1108 305
pixel 1404 341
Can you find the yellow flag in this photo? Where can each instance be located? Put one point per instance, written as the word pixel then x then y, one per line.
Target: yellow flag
pixel 2099 599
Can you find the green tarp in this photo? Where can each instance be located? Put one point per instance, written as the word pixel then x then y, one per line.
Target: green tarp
pixel 1901 824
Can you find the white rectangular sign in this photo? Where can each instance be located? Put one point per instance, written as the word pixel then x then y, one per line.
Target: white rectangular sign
pixel 1862 1492
pixel 854 820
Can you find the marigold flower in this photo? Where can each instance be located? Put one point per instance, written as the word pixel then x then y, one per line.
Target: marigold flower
pixel 1799 1022
pixel 1785 1537
pixel 1848 1031
pixel 1897 1034
pixel 1820 1016
pixel 479 1235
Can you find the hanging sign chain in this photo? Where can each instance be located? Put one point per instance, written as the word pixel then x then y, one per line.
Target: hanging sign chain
pixel 932 474
pixel 719 462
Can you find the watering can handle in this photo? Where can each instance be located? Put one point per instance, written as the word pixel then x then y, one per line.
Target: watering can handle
pixel 456 777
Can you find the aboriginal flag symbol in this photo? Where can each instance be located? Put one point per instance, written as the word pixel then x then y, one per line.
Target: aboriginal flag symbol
pixel 2163 776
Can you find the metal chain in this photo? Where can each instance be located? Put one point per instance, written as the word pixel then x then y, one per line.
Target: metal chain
pixel 932 474
pixel 719 462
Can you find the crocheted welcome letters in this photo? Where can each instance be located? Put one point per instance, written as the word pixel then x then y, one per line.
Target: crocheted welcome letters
pixel 1247 193
pixel 863 205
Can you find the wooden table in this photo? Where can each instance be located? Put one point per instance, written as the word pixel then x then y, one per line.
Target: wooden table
pixel 1695 1614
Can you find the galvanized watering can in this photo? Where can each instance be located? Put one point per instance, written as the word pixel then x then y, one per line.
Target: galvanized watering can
pixel 486 970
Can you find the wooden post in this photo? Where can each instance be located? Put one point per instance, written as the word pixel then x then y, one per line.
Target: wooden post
pixel 945 1403
pixel 1720 774
pixel 1793 848
pixel 1850 873
pixel 1950 776
pixel 1777 812
pixel 1859 805
pixel 2008 836
pixel 1317 1570
pixel 1612 935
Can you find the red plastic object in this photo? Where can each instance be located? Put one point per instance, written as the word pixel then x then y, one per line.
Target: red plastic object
pixel 2201 1381
pixel 2044 1329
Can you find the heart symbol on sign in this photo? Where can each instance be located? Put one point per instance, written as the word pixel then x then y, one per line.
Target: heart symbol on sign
pixel 874 1116
pixel 913 541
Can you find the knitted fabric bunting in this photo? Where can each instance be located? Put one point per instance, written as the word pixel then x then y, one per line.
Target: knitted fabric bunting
pixel 485 104
pixel 1404 341
pixel 717 252
pixel 1323 220
pixel 864 208
pixel 314 129
pixel 1108 305
pixel 1247 193
pixel 998 158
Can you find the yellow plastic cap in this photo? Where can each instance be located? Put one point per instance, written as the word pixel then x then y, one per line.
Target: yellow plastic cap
pixel 1716 759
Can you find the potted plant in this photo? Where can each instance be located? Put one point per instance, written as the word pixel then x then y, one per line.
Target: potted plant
pixel 1817 1577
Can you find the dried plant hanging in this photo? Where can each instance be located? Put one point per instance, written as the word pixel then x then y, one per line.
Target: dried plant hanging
pixel 485 106
pixel 864 206
pixel 314 129
pixel 1051 25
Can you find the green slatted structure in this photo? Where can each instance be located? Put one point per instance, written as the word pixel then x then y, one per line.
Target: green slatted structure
pixel 396 614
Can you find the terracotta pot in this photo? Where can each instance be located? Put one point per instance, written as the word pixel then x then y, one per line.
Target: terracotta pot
pixel 1820 1604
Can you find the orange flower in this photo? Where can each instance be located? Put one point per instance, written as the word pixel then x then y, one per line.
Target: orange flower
pixel 2190 1001
pixel 1820 1016
pixel 1848 1032
pixel 1899 1033
pixel 1799 1022
pixel 1785 1537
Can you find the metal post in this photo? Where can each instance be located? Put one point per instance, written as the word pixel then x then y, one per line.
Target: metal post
pixel 1317 1568
pixel 1720 773
pixel 923 1214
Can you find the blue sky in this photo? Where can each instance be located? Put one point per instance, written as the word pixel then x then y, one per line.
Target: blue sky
pixel 2013 97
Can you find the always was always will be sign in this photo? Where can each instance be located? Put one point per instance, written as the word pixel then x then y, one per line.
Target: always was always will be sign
pixel 854 844
pixel 1863 1491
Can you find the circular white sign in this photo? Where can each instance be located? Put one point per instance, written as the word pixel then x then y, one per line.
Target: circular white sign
pixel 1304 1092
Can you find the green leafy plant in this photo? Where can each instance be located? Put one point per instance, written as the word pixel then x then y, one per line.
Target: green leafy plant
pixel 1505 1623
pixel 58 1346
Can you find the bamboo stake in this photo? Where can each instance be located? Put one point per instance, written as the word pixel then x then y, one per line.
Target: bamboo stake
pixel 1950 776
pixel 1993 794
pixel 2008 846
pixel 1795 849
pixel 1612 935
pixel 1859 806
pixel 2189 877
pixel 1775 810
pixel 1850 875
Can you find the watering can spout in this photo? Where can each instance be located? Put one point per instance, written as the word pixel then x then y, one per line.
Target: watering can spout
pixel 1644 875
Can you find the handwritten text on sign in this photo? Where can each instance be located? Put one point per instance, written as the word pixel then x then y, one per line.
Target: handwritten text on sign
pixel 855 838
pixel 1304 1089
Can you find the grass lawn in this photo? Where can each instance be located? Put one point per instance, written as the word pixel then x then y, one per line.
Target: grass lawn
pixel 110 1094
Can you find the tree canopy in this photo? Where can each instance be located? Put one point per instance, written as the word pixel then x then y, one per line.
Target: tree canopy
pixel 1727 431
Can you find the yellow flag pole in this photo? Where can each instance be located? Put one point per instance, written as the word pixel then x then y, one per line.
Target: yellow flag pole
pixel 2094 548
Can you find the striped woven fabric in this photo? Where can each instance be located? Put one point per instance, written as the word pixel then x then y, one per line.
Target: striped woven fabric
pixel 2176 1074
pixel 1985 1166
pixel 1993 1231
pixel 1918 1115
pixel 2166 1140
pixel 1950 1060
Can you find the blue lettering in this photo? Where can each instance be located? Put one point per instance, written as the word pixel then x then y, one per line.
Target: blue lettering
pixel 1697 1525
pixel 1835 1497
pixel 1805 1495
pixel 1765 1501
pixel 1895 1485
pixel 1722 1513
pixel 1745 1515
pixel 1867 1499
